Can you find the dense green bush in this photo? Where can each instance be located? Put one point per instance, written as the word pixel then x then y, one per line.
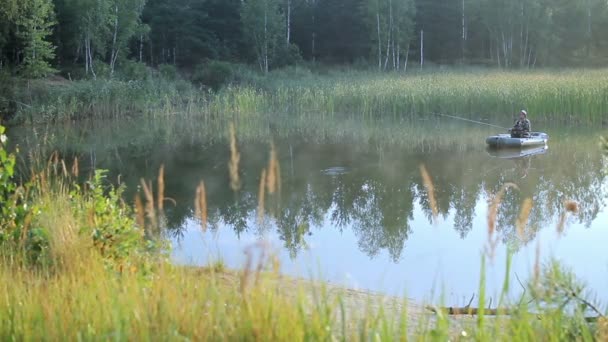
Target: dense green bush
pixel 131 70
pixel 7 94
pixel 15 211
pixel 168 72
pixel 108 220
pixel 214 74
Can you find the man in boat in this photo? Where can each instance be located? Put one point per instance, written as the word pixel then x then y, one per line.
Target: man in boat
pixel 522 127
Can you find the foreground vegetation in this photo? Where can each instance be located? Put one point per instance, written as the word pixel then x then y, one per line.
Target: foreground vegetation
pixel 80 263
pixel 569 96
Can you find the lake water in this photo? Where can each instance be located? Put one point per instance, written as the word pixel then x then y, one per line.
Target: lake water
pixel 353 208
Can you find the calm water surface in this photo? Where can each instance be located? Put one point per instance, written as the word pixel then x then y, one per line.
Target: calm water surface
pixel 353 208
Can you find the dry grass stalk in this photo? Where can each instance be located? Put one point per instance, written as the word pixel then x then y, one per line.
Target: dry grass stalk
pixel 235 158
pixel 261 195
pixel 493 215
pixel 602 329
pixel 246 273
pixel 75 167
pixel 537 264
pixel 52 163
pixel 430 189
pixel 271 179
pixel 261 262
pixel 139 212
pixel 200 205
pixel 161 188
pixel 278 175
pixel 149 201
pixel 561 224
pixel 570 206
pixel 524 215
pixel 64 169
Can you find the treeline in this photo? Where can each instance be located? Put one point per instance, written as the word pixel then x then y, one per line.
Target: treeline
pixel 37 37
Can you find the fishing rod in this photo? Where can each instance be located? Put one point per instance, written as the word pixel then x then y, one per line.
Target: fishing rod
pixel 469 120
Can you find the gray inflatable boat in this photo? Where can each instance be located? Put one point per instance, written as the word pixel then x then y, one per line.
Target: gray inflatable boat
pixel 505 140
pixel 516 153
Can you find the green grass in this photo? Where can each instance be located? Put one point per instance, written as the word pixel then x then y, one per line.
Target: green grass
pixel 579 96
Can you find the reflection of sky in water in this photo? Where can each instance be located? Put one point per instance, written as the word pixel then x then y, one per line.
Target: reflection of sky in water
pixel 435 256
pixel 359 185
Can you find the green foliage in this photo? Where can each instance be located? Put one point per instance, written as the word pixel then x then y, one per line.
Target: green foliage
pixel 15 232
pixel 214 74
pixel 559 294
pixel 132 71
pixel 7 96
pixel 604 145
pixel 105 98
pixel 263 26
pixel 109 220
pixel 390 22
pixel 36 21
pixel 168 72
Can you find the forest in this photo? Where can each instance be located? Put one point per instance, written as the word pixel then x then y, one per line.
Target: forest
pixel 88 37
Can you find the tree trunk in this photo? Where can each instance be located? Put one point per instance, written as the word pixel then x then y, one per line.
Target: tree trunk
pixel 86 56
pixel 114 53
pixel 288 22
pixel 141 47
pixel 421 49
pixel 314 33
pixel 89 55
pixel 389 33
pixel 464 34
pixel 407 57
pixel 588 45
pixel 398 61
pixel 379 41
pixel 265 53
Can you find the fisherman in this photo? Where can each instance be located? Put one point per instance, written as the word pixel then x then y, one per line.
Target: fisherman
pixel 521 129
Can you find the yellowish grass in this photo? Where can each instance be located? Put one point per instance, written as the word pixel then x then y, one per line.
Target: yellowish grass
pixel 430 189
pixel 493 214
pixel 570 207
pixel 149 195
pixel 161 188
pixel 522 220
pixel 273 175
pixel 75 168
pixel 200 205
pixel 261 196
pixel 235 158
pixel 139 212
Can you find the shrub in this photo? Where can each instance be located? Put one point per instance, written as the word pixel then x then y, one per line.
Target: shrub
pixel 288 55
pixel 108 220
pixel 168 72
pixel 132 71
pixel 7 94
pixel 14 210
pixel 214 74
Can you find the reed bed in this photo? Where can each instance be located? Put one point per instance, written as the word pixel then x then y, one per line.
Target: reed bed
pixel 580 96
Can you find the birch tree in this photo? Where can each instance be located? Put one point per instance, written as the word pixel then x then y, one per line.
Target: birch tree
pixel 391 25
pixel 93 23
pixel 263 24
pixel 126 21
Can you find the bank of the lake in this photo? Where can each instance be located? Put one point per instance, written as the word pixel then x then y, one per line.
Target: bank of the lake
pixel 573 96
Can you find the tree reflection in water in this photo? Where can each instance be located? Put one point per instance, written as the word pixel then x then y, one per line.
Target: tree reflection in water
pixel 373 189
